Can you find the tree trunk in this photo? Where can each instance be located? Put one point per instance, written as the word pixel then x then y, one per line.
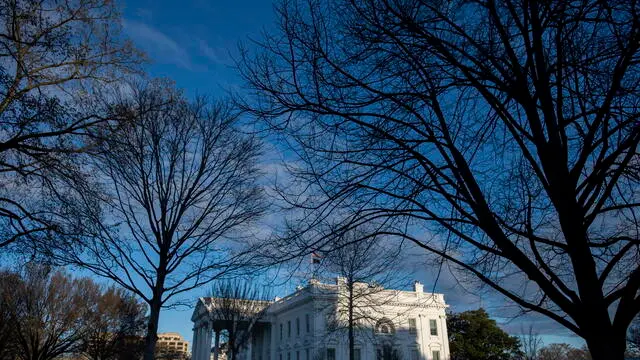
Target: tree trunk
pixel 606 345
pixel 232 343
pixel 351 335
pixel 152 329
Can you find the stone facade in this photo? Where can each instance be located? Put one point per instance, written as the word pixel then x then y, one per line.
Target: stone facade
pixel 311 323
pixel 172 344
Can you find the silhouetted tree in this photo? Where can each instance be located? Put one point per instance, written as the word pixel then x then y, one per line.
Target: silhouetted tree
pixel 116 327
pixel 499 135
pixel 237 306
pixel 49 311
pixel 475 336
pixel 563 352
pixel 9 282
pixel 55 57
pixel 530 344
pixel 554 352
pixel 633 337
pixel 180 184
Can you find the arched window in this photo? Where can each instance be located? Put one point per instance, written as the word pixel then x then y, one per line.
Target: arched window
pixel 385 327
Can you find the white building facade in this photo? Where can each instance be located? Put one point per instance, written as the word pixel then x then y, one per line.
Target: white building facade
pixel 310 324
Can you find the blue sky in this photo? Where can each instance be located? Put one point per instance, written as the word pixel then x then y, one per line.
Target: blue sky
pixel 193 42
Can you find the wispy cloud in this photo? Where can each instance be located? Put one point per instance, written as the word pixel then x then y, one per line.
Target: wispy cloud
pixel 216 55
pixel 160 46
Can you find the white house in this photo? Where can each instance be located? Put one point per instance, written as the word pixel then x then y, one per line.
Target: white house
pixel 306 325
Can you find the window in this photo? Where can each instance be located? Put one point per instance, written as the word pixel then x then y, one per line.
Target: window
pixel 433 325
pixel 331 322
pixel 280 356
pixel 356 354
pixel 331 354
pixel 387 352
pixel 307 354
pixel 412 326
pixel 297 355
pixel 306 318
pixel 297 326
pixel 289 328
pixel 385 327
pixel 288 356
pixel 280 335
pixel 415 355
pixel 435 355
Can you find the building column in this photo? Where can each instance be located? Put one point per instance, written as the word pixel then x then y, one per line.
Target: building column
pixel 201 344
pixel 207 340
pixel 274 341
pixel 421 332
pixel 250 347
pixel 444 333
pixel 216 350
pixel 194 343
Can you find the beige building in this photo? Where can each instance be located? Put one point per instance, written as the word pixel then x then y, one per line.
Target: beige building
pixel 172 345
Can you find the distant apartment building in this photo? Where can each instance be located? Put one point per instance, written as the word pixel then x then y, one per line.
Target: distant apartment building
pixel 172 345
pixel 309 325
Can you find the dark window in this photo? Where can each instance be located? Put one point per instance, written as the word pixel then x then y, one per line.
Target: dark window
pixel 356 354
pixel 307 354
pixel 412 326
pixel 436 355
pixel 297 355
pixel 289 328
pixel 297 326
pixel 415 355
pixel 280 334
pixel 433 325
pixel 331 354
pixel 288 356
pixel 308 323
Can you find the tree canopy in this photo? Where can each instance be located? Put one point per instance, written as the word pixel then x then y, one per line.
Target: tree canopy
pixel 473 335
pixel 56 58
pixel 498 135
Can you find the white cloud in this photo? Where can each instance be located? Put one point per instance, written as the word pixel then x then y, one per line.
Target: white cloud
pixel 159 46
pixel 216 55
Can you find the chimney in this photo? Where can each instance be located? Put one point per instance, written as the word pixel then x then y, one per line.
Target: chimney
pixel 418 287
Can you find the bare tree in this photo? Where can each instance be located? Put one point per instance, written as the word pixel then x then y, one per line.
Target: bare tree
pixel 55 56
pixel 554 352
pixel 9 282
pixel 116 327
pixel 530 344
pixel 364 267
pixel 499 135
pixel 49 311
pixel 633 337
pixel 237 306
pixel 181 189
pixel 563 352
